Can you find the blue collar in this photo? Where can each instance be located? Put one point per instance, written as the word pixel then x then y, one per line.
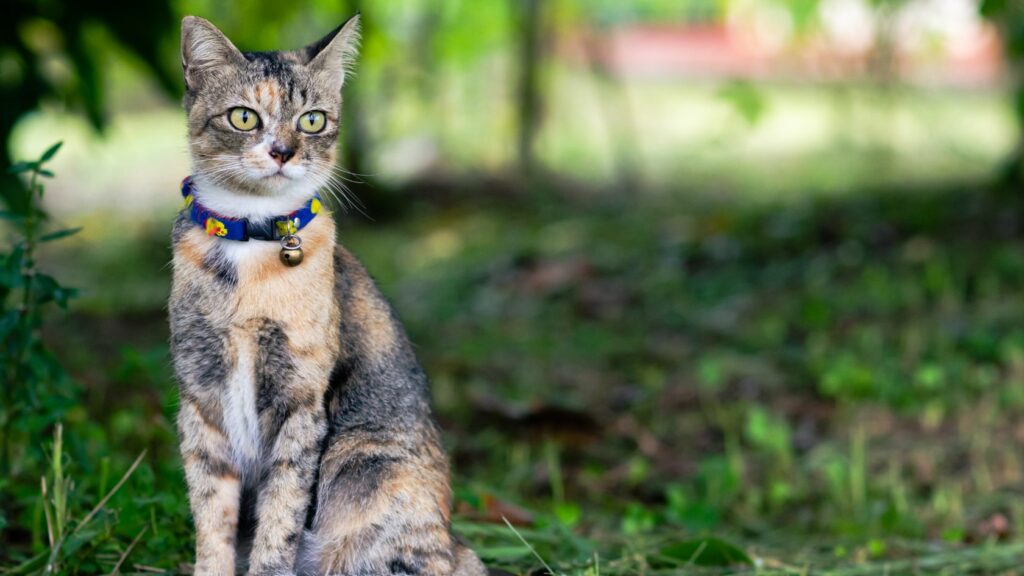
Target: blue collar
pixel 243 229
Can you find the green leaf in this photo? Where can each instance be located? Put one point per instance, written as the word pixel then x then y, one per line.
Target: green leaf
pixel 90 73
pixel 50 153
pixel 87 535
pixel 60 234
pixel 746 99
pixel 21 167
pixel 63 295
pixel 45 288
pixel 8 321
pixel 28 566
pixel 767 431
pixel 638 519
pixel 45 173
pixel 503 552
pixel 992 8
pixel 710 551
pixel 10 271
pixel 568 514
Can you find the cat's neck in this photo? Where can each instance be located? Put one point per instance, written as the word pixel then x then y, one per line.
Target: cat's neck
pixel 238 204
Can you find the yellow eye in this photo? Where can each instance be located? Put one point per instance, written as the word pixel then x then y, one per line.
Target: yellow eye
pixel 312 122
pixel 243 118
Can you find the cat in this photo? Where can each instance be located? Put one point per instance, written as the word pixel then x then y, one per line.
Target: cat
pixel 305 426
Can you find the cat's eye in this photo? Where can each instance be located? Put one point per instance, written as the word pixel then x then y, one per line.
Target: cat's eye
pixel 312 122
pixel 243 118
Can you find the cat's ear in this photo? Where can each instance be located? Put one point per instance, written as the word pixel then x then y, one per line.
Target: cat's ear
pixel 333 56
pixel 204 51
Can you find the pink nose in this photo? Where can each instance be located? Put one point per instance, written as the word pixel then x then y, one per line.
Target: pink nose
pixel 281 153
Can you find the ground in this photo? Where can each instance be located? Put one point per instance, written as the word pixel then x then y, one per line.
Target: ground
pixel 672 385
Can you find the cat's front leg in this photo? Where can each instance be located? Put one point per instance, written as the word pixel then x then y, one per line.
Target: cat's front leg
pixel 213 483
pixel 283 492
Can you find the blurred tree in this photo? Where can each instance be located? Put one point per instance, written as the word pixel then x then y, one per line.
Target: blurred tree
pixel 528 104
pixel 621 127
pixel 1008 15
pixel 425 50
pixel 53 51
pixel 355 147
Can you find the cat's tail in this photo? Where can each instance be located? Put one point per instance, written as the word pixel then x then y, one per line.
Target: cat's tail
pixel 468 564
pixel 307 562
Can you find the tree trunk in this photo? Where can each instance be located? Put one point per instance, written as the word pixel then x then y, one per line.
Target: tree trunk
pixel 528 103
pixel 1008 16
pixel 619 121
pixel 355 146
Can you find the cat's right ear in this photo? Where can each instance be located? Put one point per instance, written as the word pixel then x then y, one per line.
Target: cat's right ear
pixel 331 57
pixel 204 51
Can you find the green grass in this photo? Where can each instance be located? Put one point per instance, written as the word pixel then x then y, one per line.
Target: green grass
pixel 831 386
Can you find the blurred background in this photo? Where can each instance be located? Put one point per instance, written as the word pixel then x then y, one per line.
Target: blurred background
pixel 701 285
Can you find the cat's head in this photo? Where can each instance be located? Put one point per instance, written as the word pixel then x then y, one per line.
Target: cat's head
pixel 263 126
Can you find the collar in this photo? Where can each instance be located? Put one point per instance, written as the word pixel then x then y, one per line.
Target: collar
pixel 244 229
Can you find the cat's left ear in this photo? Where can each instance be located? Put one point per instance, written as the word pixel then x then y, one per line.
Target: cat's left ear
pixel 333 56
pixel 205 51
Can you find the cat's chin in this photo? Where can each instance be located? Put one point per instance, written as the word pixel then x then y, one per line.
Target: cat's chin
pixel 266 197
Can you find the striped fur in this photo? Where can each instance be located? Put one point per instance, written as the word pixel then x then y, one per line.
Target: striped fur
pixel 305 424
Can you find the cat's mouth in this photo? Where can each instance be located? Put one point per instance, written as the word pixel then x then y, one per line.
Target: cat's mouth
pixel 279 174
pixel 277 178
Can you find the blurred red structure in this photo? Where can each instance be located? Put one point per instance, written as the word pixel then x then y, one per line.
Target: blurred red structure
pixel 733 51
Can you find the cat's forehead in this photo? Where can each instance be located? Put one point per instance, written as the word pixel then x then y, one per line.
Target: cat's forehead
pixel 276 79
pixel 279 65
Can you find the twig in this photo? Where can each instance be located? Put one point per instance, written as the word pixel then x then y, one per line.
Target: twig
pixel 113 490
pixel 127 551
pixel 527 544
pixel 696 553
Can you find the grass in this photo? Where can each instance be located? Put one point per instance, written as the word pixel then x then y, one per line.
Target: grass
pixel 830 386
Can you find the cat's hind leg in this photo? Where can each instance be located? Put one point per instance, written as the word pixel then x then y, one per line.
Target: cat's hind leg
pixel 382 508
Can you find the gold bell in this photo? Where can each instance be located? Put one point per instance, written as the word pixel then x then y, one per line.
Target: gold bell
pixel 291 250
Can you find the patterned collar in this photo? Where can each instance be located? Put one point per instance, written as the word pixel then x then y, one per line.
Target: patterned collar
pixel 243 229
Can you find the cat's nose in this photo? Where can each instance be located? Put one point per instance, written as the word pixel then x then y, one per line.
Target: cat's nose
pixel 281 153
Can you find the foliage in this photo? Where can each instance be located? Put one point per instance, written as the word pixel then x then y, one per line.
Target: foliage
pixel 55 51
pixel 1009 16
pixel 73 544
pixel 64 535
pixel 37 391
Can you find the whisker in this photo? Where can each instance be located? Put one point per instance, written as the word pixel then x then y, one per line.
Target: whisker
pixel 331 180
pixel 338 190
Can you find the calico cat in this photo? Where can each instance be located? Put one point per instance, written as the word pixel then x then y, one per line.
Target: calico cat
pixel 305 426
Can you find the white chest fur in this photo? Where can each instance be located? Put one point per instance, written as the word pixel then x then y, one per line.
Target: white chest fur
pixel 243 253
pixel 241 421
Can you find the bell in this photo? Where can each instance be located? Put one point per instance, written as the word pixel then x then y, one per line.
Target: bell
pixel 291 250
